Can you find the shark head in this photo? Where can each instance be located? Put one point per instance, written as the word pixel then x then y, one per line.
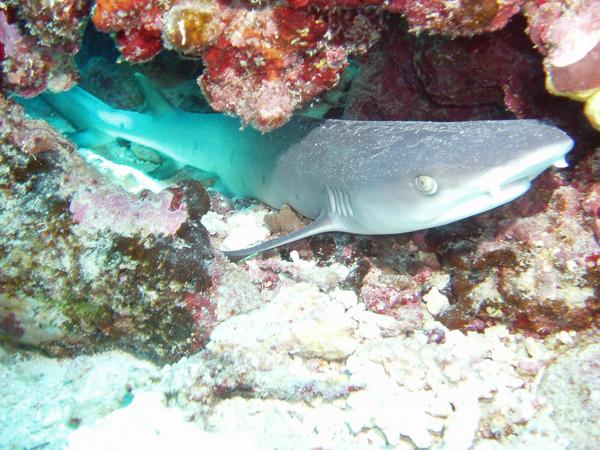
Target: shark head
pixel 492 164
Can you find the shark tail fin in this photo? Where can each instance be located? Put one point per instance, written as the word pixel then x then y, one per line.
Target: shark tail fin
pixel 82 110
pixel 321 224
pixel 156 102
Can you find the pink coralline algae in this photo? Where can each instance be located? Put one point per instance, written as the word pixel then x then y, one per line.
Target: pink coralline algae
pixel 101 207
pixel 38 40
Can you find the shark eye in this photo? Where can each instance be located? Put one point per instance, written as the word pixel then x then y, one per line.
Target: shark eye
pixel 426 184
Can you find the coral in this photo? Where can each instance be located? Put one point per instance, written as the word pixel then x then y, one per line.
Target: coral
pixel 252 56
pixel 525 265
pixel 190 26
pixel 568 35
pixel 267 63
pixel 461 18
pixel 38 40
pixel 137 24
pixel 101 208
pixel 262 64
pixel 30 135
pixel 405 78
pixel 80 269
pixel 54 24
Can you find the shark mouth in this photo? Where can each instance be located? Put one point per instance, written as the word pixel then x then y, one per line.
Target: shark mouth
pixel 497 193
pixel 483 202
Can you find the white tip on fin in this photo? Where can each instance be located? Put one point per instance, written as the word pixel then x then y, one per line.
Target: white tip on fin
pixel 155 100
pixel 321 224
pixel 561 163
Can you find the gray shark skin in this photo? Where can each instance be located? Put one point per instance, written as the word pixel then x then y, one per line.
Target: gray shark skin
pixel 364 177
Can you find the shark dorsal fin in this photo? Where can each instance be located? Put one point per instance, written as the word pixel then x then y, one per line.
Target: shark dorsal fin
pixel 155 100
pixel 321 224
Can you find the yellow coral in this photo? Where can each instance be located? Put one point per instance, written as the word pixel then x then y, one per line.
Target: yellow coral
pixel 590 97
pixel 192 26
pixel 592 109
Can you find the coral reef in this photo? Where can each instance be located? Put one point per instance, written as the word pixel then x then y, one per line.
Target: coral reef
pixel 38 40
pixel 85 264
pixel 482 334
pixel 264 64
pixel 252 56
pixel 461 18
pixel 136 24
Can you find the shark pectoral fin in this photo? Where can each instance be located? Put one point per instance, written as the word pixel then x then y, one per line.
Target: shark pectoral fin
pixel 155 100
pixel 321 224
pixel 167 169
pixel 90 138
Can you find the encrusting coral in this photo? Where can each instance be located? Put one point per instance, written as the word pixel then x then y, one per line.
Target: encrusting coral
pixel 39 56
pixel 263 61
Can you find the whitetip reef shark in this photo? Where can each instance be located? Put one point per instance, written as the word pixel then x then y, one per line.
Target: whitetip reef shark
pixel 363 177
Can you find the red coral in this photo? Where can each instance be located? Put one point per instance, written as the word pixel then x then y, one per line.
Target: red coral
pixel 139 44
pixel 138 24
pixel 460 18
pixel 262 64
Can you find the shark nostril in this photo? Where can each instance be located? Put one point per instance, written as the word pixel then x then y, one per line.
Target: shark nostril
pixel 426 184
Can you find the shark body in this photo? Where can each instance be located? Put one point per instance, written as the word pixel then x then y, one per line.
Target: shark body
pixel 364 177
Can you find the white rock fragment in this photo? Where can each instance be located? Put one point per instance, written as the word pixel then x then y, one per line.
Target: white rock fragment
pixel 536 349
pixel 463 424
pixel 326 278
pixel 565 337
pixel 436 301
pixel 214 223
pixel 245 229
pixel 295 256
pixel 372 325
pixel 347 298
pixel 440 280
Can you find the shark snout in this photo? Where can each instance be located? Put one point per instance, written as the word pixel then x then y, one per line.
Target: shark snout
pixel 523 169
